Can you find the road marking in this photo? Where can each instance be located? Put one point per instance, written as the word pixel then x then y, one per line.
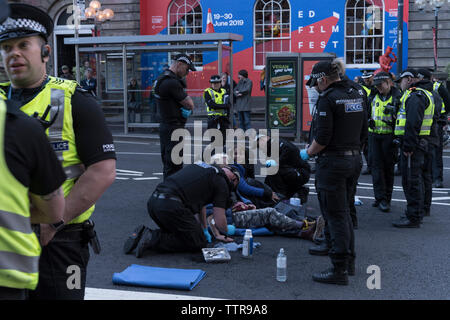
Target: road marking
pixel 141 153
pixel 146 178
pixel 129 171
pixel 131 142
pixel 440 198
pixel 158 173
pixel 112 294
pixel 120 178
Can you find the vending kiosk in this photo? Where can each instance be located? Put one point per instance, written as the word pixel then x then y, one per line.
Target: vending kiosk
pixel 289 102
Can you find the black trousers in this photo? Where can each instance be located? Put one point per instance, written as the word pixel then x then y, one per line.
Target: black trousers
pixel 179 229
pixel 219 122
pixel 417 184
pixel 165 135
pixel 62 268
pixel 289 181
pixel 437 153
pixel 336 178
pixel 382 162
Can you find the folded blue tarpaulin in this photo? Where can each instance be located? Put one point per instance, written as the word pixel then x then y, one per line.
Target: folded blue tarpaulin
pixel 255 231
pixel 167 278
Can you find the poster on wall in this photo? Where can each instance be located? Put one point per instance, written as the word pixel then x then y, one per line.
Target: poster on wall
pixel 282 94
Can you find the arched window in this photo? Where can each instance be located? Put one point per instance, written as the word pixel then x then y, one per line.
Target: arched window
pixel 364 32
pixel 272 29
pixel 185 17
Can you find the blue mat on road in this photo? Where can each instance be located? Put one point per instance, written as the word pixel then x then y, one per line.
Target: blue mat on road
pixel 166 278
pixel 255 232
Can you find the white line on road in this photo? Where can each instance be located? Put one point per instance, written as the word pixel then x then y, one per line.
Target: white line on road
pixel 112 294
pixel 131 142
pixel 146 178
pixel 141 153
pixel 129 171
pixel 120 178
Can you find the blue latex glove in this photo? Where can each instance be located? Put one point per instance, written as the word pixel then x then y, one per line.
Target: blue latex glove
pixel 304 155
pixel 231 230
pixel 207 235
pixel 186 112
pixel 270 163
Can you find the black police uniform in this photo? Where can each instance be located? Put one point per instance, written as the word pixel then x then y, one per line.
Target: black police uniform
pixel 175 202
pixel 169 91
pixel 417 179
pixel 31 160
pixel 94 143
pixel 293 172
pixel 437 153
pixel 383 153
pixel 341 126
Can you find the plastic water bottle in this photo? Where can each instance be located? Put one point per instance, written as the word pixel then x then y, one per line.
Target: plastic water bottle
pixel 281 266
pixel 247 245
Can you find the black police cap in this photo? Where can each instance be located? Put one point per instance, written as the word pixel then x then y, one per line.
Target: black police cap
pixel 185 58
pixel 366 74
pixel 215 79
pixel 24 21
pixel 319 70
pixel 424 73
pixel 408 72
pixel 380 77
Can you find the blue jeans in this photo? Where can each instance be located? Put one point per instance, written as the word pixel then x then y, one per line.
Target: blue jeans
pixel 244 120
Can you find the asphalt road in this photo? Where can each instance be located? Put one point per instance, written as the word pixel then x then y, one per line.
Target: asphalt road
pixel 413 263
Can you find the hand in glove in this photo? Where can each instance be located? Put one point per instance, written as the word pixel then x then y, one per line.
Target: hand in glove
pixel 186 112
pixel 207 235
pixel 270 163
pixel 304 155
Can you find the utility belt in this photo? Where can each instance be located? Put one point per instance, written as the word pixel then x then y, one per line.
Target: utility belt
pixel 423 143
pixel 344 153
pixel 166 196
pixel 83 232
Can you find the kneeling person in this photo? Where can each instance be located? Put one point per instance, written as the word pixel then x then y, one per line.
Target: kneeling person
pixel 176 201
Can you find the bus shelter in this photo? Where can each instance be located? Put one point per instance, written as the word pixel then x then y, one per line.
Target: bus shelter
pixel 119 59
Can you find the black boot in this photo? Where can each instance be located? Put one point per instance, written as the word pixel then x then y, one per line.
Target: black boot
pixel 320 250
pixel 336 275
pixel 133 239
pixel 145 242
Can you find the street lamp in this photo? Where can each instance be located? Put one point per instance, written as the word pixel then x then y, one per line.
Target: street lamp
pixel 99 16
pixel 94 12
pixel 436 5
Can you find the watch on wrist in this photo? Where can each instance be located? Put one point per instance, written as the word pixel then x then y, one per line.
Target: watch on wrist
pixel 58 225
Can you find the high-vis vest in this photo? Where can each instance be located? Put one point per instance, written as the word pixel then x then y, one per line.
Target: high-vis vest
pixel 218 98
pixel 381 119
pixel 19 246
pixel 367 90
pixel 427 121
pixel 436 86
pixel 57 94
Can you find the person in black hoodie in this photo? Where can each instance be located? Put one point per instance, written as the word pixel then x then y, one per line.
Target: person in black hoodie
pixel 436 154
pixel 293 172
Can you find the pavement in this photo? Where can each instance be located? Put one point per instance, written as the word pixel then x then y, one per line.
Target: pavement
pixel 408 263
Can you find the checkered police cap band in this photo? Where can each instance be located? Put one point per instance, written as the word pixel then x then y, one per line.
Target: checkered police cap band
pixel 22 24
pixel 317 75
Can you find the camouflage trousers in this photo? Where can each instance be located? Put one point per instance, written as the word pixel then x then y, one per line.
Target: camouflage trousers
pixel 267 217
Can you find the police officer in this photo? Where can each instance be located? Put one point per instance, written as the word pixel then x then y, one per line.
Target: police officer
pixel 176 201
pixel 367 85
pixel 414 126
pixel 293 172
pixel 341 126
pixel 78 133
pixel 437 151
pixel 384 106
pixel 217 105
pixel 174 106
